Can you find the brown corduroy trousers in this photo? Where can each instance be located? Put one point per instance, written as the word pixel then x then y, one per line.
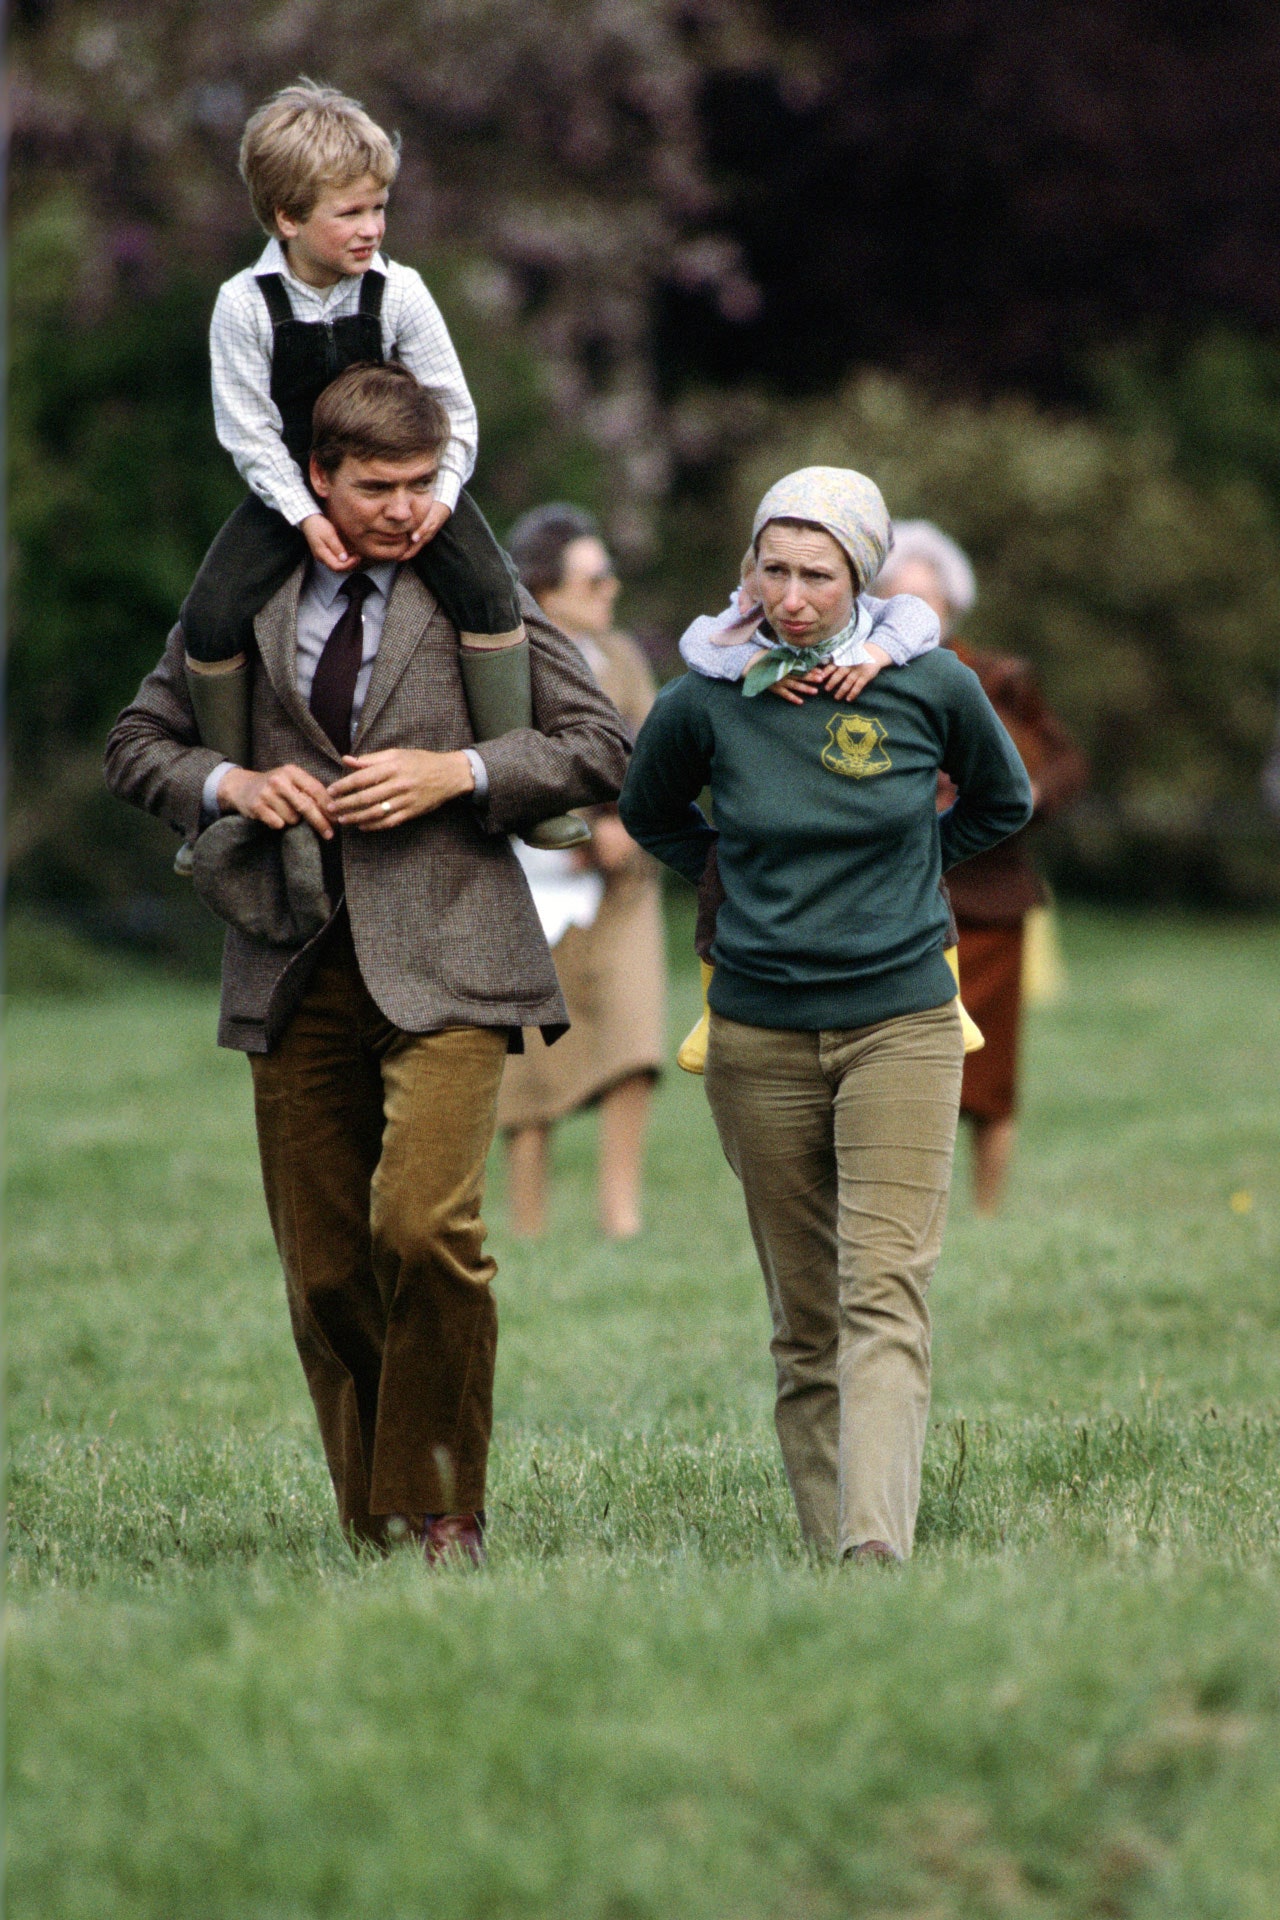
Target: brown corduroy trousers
pixel 843 1142
pixel 373 1145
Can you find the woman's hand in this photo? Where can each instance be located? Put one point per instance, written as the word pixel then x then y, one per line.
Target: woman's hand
pixel 400 783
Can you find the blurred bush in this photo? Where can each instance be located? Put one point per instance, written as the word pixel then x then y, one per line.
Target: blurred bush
pixel 1146 595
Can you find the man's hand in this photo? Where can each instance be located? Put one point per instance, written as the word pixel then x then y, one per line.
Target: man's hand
pixel 325 543
pixel 428 528
pixel 842 683
pixel 279 799
pixel 386 789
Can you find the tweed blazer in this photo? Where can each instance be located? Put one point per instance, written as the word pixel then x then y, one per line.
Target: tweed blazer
pixel 444 927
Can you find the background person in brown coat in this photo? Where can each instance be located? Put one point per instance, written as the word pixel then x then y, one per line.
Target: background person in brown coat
pixel 993 893
pixel 601 909
pixel 377 1043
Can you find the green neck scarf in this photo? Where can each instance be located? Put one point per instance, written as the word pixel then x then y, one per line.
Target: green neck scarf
pixel 782 659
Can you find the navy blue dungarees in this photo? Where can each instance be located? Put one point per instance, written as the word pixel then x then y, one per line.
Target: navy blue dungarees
pixel 257 549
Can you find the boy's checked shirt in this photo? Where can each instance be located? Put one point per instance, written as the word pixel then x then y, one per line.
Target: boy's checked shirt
pixel 247 418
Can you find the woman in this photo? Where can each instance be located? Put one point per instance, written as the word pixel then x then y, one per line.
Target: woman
pixel 834 1062
pixel 601 911
pixel 993 894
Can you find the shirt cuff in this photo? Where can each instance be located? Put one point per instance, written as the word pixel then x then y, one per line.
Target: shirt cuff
pixel 297 507
pixel 480 773
pixel 209 808
pixel 448 487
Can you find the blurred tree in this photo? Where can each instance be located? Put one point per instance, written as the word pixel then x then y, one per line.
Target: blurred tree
pixel 983 191
pixel 1148 602
pixel 560 144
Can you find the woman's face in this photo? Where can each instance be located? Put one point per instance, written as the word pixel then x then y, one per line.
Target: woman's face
pixel 583 602
pixel 804 583
pixel 918 577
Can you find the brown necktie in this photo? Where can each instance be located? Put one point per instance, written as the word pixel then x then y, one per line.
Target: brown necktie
pixel 334 687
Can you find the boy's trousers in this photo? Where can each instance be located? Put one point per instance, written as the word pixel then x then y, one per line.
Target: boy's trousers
pixel 843 1141
pixel 373 1145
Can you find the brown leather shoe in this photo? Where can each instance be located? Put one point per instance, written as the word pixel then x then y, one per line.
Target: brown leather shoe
pixel 875 1553
pixel 448 1539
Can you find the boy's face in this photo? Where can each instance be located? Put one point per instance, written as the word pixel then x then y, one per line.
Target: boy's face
pixel 339 236
pixel 377 504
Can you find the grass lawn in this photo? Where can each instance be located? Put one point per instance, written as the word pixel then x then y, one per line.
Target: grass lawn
pixel 651 1705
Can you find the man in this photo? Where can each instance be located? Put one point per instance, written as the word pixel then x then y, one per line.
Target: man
pixel 377 1042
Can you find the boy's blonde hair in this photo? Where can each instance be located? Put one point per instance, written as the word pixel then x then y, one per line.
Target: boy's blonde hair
pixel 305 138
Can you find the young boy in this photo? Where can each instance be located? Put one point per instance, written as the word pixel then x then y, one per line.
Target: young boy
pixel 731 646
pixel 320 298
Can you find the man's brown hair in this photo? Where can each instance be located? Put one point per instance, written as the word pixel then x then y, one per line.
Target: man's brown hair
pixel 376 413
pixel 305 138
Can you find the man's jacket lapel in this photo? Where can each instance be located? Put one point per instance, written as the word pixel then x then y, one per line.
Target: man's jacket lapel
pixel 276 630
pixel 408 612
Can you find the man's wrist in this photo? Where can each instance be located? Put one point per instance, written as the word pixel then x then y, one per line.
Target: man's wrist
pixel 211 804
pixel 479 775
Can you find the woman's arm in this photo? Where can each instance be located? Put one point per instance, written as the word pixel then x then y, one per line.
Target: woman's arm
pixel 669 769
pixel 994 797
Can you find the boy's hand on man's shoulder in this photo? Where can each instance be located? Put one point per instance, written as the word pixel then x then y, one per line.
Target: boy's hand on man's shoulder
pixel 325 543
pixel 428 527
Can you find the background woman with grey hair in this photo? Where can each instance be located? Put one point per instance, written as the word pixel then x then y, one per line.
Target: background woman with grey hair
pixel 601 911
pixel 992 894
pixel 834 1060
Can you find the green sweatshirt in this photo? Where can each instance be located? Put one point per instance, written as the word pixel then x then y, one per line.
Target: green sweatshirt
pixel 829 840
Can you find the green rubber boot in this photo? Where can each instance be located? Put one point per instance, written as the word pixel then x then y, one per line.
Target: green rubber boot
pixel 219 693
pixel 499 700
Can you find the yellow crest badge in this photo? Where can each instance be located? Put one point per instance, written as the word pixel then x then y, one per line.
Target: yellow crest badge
pixel 855 746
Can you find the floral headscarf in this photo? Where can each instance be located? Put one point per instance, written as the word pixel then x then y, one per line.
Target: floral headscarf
pixel 844 504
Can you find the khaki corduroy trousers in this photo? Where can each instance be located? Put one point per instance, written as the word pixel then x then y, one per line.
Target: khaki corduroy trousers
pixel 373 1145
pixel 843 1142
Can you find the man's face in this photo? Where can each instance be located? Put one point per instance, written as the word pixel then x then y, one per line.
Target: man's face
pixel 376 504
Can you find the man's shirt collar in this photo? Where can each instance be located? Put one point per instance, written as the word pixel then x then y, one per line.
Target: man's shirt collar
pixel 326 584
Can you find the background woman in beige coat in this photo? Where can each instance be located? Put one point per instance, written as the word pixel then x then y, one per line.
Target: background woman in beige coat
pixel 601 911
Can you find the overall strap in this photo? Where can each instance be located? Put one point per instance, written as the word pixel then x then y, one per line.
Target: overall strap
pixel 277 299
pixel 372 288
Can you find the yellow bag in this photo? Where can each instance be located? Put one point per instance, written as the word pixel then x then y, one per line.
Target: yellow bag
pixel 973 1035
pixel 691 1054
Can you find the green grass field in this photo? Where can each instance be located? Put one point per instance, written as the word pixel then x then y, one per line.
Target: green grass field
pixel 651 1705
